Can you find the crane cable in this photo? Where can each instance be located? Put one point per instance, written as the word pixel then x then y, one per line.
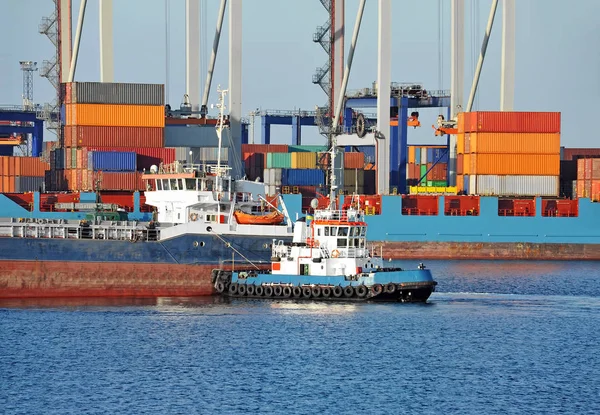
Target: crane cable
pixel 440 46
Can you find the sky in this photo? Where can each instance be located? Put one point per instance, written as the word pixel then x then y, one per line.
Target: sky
pixel 557 55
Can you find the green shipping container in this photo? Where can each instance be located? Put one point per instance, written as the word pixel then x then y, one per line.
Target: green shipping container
pixel 279 161
pixel 439 183
pixel 73 158
pixel 429 183
pixel 306 149
pixel 423 170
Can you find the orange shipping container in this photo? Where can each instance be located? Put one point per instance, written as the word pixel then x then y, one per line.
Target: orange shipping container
pixel 515 143
pixel 595 187
pixel 119 181
pixel 466 164
pixel 8 184
pixel 115 115
pixel 460 143
pixel 517 164
pixel 460 122
pixel 411 154
pixel 512 122
pixel 459 164
pixel 93 136
pixel 354 160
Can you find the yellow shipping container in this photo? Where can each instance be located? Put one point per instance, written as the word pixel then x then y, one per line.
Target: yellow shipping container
pixel 460 143
pixel 115 115
pixel 411 154
pixel 516 164
pixel 466 164
pixel 304 160
pixel 515 143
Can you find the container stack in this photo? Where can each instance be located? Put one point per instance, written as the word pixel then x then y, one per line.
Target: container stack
pixel 508 153
pixel 588 178
pixel 111 132
pixel 428 161
pixel 22 174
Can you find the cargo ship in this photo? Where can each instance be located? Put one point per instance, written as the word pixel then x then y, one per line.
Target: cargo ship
pixel 101 252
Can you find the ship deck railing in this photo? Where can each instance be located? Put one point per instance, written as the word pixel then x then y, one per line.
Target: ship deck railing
pixel 106 230
pixel 339 215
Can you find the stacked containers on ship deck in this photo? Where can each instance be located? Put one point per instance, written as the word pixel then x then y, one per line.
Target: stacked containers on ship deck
pixel 508 153
pixel 588 178
pixel 118 128
pixel 22 174
pixel 429 163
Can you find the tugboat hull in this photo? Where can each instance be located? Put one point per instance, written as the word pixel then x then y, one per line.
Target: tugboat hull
pixel 394 285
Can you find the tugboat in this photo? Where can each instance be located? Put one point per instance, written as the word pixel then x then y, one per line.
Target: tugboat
pixel 328 259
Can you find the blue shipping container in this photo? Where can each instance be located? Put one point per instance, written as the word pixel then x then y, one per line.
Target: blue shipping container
pixel 466 184
pixel 369 152
pixel 417 155
pixel 435 154
pixel 302 177
pixel 112 161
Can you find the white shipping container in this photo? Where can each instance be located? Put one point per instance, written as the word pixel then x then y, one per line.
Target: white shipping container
pixel 423 155
pixel 272 176
pixel 490 185
pixel 201 154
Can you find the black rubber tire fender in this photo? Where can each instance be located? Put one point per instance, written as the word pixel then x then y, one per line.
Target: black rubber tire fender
pixel 306 292
pixel 390 288
pixel 348 291
pixel 287 292
pixel 219 287
pixel 242 290
pixel 233 288
pixel 337 291
pixel 297 292
pixel 250 289
pixel 316 291
pixel 260 291
pixel 277 290
pixel 268 291
pixel 377 289
pixel 361 291
pixel 326 292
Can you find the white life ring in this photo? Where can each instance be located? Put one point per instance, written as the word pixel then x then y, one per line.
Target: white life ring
pixel 335 253
pixel 193 217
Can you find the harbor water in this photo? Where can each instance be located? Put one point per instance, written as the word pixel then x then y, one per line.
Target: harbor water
pixel 496 338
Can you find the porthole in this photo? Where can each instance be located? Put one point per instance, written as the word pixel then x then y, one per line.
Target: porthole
pixel 195 244
pixel 266 246
pixel 202 243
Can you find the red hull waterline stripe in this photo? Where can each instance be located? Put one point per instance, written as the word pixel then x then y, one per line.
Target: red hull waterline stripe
pixel 26 279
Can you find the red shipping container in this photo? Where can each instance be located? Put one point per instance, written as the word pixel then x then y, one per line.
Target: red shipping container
pixel 264 148
pixel 573 153
pixel 512 122
pixel 92 136
pixel 118 181
pixel 354 160
pixel 459 164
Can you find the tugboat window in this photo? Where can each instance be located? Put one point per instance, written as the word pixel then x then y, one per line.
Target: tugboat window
pixel 334 231
pixel 173 184
pixel 165 184
pixel 318 232
pixel 159 185
pixel 363 231
pixel 190 184
pixel 341 242
pixel 326 230
pixel 343 231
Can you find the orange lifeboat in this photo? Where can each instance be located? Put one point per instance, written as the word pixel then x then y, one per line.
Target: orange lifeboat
pixel 243 218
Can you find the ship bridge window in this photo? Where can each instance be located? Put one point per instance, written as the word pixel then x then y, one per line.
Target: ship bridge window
pixel 159 185
pixel 363 230
pixel 226 186
pixel 342 242
pixel 209 185
pixel 343 231
pixel 326 230
pixel 354 231
pixel 333 230
pixel 180 184
pixel 165 184
pixel 190 184
pixel 318 231
pixel 173 184
pixel 362 242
